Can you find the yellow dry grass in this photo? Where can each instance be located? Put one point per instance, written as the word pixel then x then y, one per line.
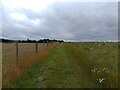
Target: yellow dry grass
pixel 27 56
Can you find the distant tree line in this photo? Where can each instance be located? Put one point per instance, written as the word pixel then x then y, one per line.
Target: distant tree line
pixel 30 41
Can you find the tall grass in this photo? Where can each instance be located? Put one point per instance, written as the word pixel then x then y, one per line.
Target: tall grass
pixel 99 59
pixel 69 65
pixel 27 56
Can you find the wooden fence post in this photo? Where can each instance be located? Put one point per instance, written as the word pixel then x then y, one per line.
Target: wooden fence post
pixel 43 43
pixel 17 52
pixel 47 42
pixel 36 47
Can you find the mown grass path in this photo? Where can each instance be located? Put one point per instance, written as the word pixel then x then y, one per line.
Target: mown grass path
pixel 59 69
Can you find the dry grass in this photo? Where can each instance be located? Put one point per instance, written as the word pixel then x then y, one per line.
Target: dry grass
pixel 27 56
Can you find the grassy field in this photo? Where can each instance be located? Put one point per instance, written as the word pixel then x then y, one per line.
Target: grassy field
pixel 27 56
pixel 100 59
pixel 69 65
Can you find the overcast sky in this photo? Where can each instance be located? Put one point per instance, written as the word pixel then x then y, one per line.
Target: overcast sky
pixel 38 19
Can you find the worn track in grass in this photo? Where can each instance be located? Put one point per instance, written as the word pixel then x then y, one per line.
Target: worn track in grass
pixel 58 70
pixel 64 67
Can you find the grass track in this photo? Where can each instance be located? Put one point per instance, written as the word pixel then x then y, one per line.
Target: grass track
pixel 62 68
pixel 58 70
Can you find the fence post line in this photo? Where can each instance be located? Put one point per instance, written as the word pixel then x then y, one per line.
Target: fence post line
pixel 43 43
pixel 47 42
pixel 36 47
pixel 17 52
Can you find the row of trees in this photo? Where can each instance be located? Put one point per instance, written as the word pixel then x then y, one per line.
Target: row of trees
pixel 30 41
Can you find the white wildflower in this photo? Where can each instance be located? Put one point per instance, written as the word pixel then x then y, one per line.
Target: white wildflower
pixel 98 71
pixel 103 69
pixel 101 80
pixel 94 70
pixel 91 48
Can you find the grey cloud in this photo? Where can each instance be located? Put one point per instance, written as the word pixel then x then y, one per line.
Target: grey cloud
pixel 68 21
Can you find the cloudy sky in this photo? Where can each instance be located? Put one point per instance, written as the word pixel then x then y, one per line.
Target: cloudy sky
pixel 59 19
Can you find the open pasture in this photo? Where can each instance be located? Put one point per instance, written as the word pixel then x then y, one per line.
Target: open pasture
pixel 13 67
pixel 67 65
pixel 25 50
pixel 100 59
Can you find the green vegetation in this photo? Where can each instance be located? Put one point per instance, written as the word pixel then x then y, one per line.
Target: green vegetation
pixel 11 69
pixel 74 65
pixel 100 59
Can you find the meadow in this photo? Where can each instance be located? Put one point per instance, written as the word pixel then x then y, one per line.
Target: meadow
pixel 66 65
pixel 100 60
pixel 11 68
